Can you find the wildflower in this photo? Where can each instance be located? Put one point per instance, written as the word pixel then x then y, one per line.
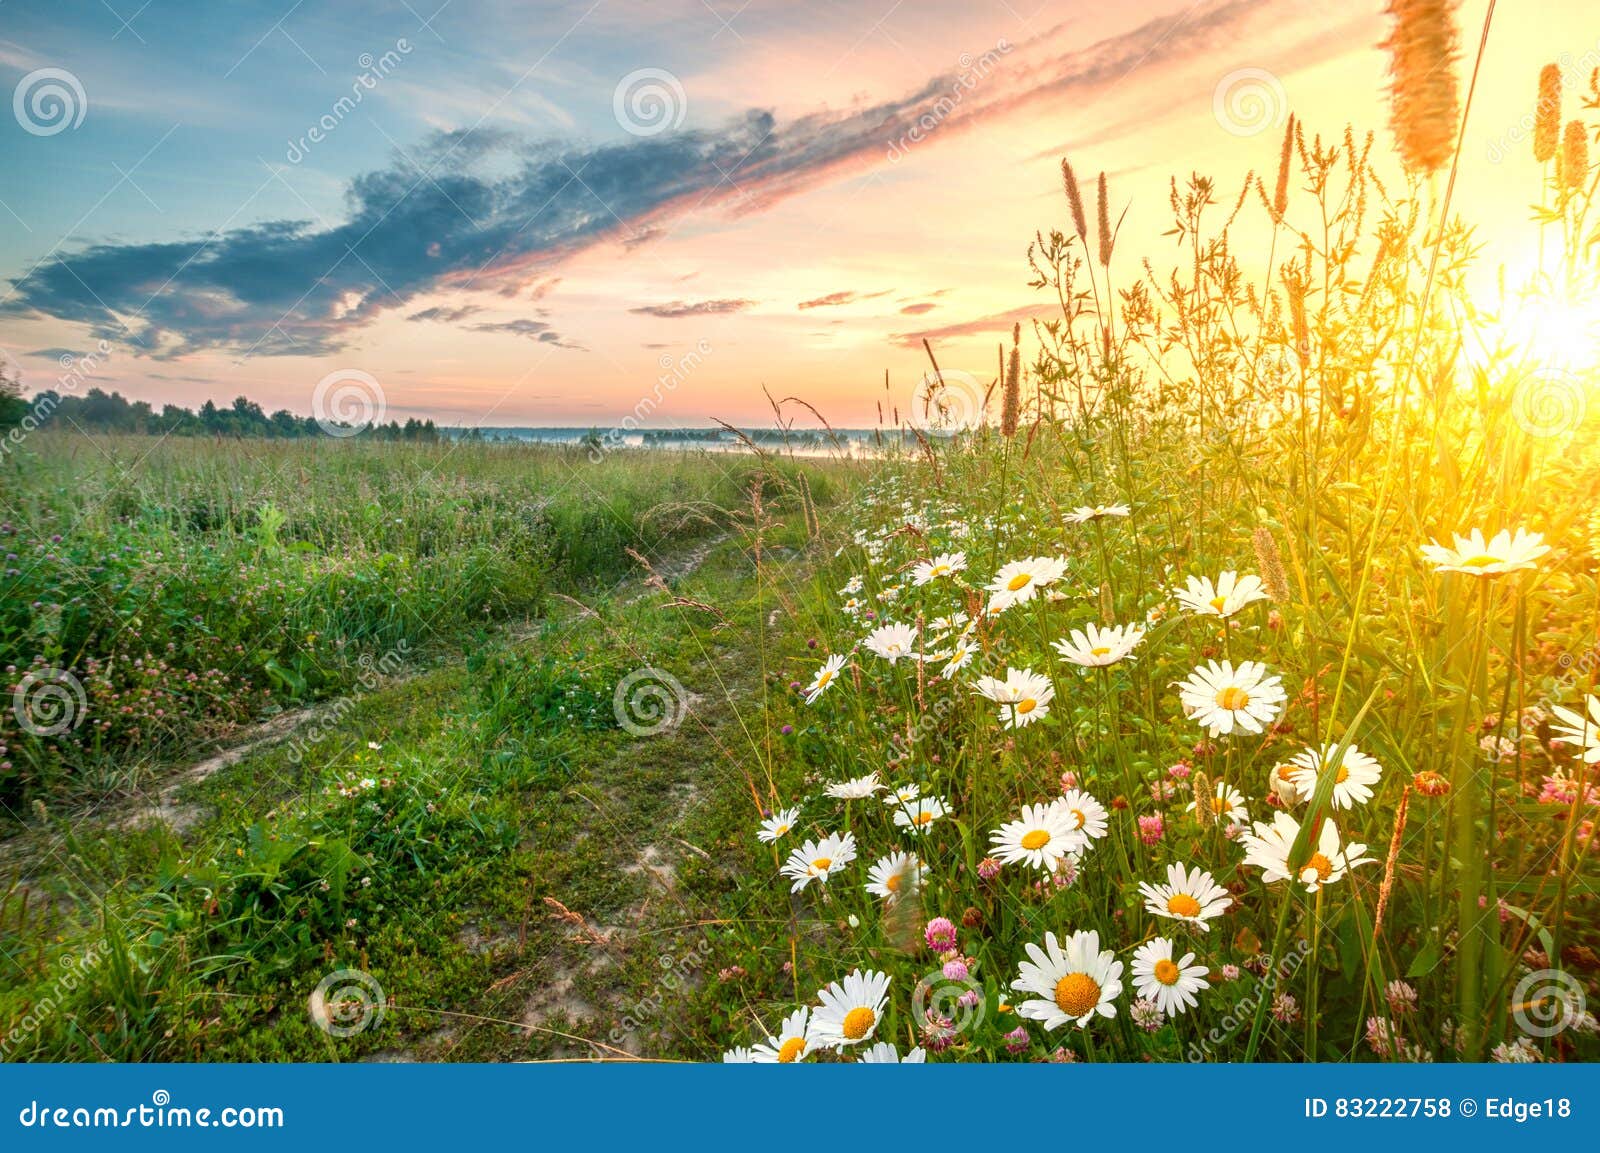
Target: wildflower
pixel 856 788
pixel 894 876
pixel 1547 125
pixel 824 678
pixel 1583 731
pixel 1227 596
pixel 1476 557
pixel 1268 849
pixel 1353 780
pixel 1023 696
pixel 1284 784
pixel 1087 815
pixel 1518 1052
pixel 1096 647
pixel 1402 998
pixel 1151 829
pixel 738 1055
pixel 791 1044
pixel 1559 789
pixel 1147 1015
pixel 1074 983
pixel 988 869
pixel 1221 697
pixel 902 794
pixel 1085 513
pixel 955 970
pixel 1018 581
pixel 943 565
pixel 819 860
pixel 940 934
pixel 850 1010
pixel 1191 895
pixel 1285 1009
pixel 956 658
pixel 1017 1040
pixel 1382 1034
pixel 1171 984
pixel 1063 1056
pixel 891 642
pixel 778 824
pixel 853 586
pixel 971 917
pixel 884 1053
pixel 1230 972
pixel 1430 784
pixel 921 813
pixel 1226 803
pixel 1040 838
pixel 1573 166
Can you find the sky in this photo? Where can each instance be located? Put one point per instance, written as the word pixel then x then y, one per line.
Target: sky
pixel 529 213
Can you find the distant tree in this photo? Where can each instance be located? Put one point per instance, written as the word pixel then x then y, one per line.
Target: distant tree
pixel 12 407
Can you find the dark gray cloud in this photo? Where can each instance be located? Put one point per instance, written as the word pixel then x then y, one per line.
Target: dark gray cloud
pixel 532 329
pixel 446 315
pixel 55 354
pixel 679 309
pixel 487 210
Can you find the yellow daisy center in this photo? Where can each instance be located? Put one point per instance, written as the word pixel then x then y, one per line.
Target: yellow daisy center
pixel 1218 602
pixel 1079 820
pixel 1221 805
pixel 822 864
pixel 1035 839
pixel 925 817
pixel 1319 864
pixel 1077 994
pixel 1483 560
pixel 780 830
pixel 1166 971
pixel 892 882
pixel 1286 772
pixel 1183 905
pixel 858 1022
pixel 1100 651
pixel 1018 581
pixel 824 677
pixel 791 1049
pixel 938 570
pixel 1341 776
pixel 1027 705
pixel 1233 698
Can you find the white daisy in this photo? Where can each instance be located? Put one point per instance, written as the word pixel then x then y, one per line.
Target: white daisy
pixel 920 813
pixel 852 586
pixel 1018 581
pixel 957 658
pixel 884 1053
pixel 855 789
pixel 943 565
pixel 895 876
pixel 1221 697
pixel 790 1045
pixel 1087 816
pixel 1095 647
pixel 775 826
pixel 1227 596
pixel 1268 849
pixel 1074 983
pixel 1189 895
pixel 1024 696
pixel 891 642
pixel 1172 985
pixel 1476 557
pixel 1579 730
pixel 1285 784
pixel 852 607
pixel 1043 835
pixel 825 677
pixel 1356 775
pixel 851 1009
pixel 819 860
pixel 902 795
pixel 1227 805
pixel 738 1055
pixel 1085 513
